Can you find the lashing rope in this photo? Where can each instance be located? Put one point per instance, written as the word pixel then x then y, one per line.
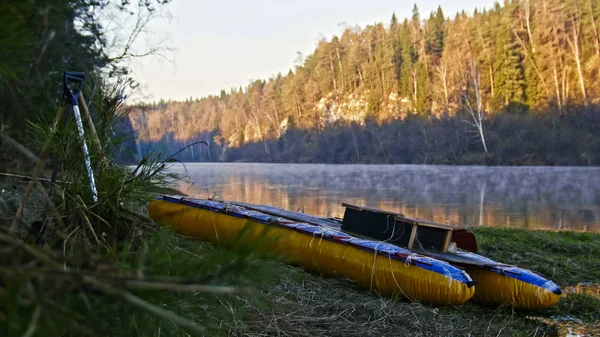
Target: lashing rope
pixel 375 250
pixel 409 258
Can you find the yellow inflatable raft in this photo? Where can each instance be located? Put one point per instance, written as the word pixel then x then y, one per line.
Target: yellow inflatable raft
pixel 374 265
pixel 497 283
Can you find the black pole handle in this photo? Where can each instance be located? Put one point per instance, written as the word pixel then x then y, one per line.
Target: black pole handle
pixel 73 81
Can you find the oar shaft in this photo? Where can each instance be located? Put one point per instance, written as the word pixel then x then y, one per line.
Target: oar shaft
pixel 86 154
pixel 88 117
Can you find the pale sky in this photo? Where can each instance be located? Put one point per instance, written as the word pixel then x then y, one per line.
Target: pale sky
pixel 224 44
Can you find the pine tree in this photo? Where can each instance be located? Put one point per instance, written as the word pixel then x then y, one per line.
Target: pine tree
pixel 423 89
pixel 434 44
pixel 393 24
pixel 396 50
pixel 534 92
pixel 408 58
pixel 509 78
pixel 416 33
pixel 416 17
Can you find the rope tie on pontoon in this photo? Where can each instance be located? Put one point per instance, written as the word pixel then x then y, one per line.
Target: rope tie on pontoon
pixel 375 250
pixel 409 258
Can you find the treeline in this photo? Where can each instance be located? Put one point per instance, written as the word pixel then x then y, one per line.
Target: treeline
pixel 528 63
pixel 567 140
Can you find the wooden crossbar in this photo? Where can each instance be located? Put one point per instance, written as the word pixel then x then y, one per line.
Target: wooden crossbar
pixel 370 209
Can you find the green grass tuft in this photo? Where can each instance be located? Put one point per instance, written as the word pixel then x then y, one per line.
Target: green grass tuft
pixel 567 258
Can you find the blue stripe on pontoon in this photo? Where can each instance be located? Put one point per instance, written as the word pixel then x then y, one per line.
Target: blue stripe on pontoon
pixel 515 272
pixel 381 248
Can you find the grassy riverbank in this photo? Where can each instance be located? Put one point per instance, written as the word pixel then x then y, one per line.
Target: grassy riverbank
pixel 269 298
pixel 289 301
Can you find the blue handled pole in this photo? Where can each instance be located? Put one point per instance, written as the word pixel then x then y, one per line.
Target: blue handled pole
pixel 73 82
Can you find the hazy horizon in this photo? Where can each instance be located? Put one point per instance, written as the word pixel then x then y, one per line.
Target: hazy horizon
pixel 217 48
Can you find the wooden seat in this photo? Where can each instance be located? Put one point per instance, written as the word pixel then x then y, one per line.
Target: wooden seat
pixel 428 235
pixel 396 229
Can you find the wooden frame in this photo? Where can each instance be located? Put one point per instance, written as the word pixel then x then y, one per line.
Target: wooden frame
pixel 447 241
pixel 413 235
pixel 416 224
pixel 443 237
pixel 369 209
pixel 426 223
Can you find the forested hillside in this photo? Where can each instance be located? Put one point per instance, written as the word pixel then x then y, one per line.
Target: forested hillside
pixel 514 84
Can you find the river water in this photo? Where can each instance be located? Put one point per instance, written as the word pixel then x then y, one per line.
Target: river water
pixel 553 198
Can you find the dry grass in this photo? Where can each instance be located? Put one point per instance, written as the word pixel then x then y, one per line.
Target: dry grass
pixel 317 307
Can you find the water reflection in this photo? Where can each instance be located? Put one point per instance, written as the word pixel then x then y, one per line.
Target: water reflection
pixel 563 198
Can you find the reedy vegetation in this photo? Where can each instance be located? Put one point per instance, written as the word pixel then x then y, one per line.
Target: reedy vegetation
pixel 71 249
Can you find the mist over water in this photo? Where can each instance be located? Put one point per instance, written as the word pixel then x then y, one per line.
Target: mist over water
pixel 556 198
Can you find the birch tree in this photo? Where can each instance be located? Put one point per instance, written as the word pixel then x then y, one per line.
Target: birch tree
pixel 476 112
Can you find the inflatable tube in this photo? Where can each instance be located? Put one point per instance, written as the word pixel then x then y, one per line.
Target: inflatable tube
pixel 504 284
pixel 497 283
pixel 374 265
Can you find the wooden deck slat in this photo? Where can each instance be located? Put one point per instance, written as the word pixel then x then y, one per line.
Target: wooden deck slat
pixel 426 223
pixel 370 209
pixel 300 217
pixel 454 258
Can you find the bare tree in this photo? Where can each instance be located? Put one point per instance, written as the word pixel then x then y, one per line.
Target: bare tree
pixel 442 73
pixel 477 113
pixel 573 37
pixel 130 33
pixel 596 33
